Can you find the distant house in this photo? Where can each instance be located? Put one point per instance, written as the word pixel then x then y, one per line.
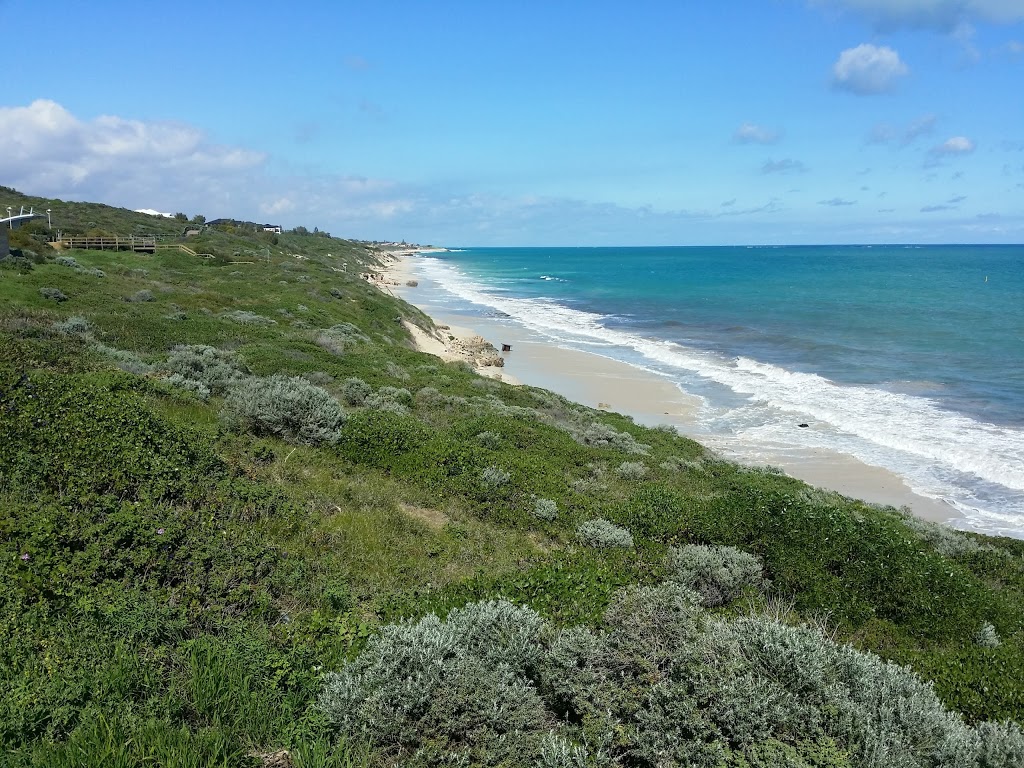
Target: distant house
pixel 275 228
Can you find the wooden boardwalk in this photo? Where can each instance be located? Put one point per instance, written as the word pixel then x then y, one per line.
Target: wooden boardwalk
pixel 138 244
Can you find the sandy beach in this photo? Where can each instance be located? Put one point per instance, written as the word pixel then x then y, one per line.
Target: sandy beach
pixel 606 384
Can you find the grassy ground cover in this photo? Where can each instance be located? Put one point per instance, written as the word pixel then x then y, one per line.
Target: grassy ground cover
pixel 187 559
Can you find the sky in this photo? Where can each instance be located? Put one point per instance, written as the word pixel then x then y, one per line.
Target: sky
pixel 560 122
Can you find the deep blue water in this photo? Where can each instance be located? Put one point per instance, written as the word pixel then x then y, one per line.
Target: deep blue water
pixel 908 357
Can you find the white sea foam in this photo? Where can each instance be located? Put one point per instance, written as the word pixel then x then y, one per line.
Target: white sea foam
pixel 976 466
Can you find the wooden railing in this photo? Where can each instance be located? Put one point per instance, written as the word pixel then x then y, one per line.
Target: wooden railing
pixel 143 244
pixel 111 243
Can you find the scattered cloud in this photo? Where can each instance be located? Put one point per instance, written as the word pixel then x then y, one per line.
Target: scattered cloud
pixel 935 208
pixel 956 199
pixel 728 203
pixel 922 126
pixel 868 69
pixel 837 202
pixel 957 145
pixel 772 206
pixel 748 133
pixel 886 133
pixel 1014 48
pixel 786 165
pixel 937 15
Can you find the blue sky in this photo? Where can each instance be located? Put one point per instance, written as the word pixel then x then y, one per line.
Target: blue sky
pixel 534 123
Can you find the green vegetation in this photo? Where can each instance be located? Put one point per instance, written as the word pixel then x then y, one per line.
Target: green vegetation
pixel 243 516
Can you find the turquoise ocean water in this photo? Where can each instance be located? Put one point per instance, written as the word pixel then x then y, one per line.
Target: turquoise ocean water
pixel 909 358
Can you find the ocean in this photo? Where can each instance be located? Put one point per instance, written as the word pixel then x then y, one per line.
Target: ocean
pixel 909 358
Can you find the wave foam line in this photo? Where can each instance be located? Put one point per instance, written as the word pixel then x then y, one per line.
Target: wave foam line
pixel 897 422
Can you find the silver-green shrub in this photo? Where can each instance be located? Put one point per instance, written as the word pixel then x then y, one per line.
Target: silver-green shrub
pixel 332 343
pixel 73 326
pixel 717 574
pixel 545 509
pixel 987 637
pixel 189 385
pixel 67 261
pixel 215 369
pixel 461 685
pixel 355 391
pixel 492 477
pixel 123 359
pixel 602 533
pixel 288 407
pixel 53 294
pixel 597 433
pixel 141 296
pixel 661 683
pixel 396 371
pixel 947 541
pixel 631 470
pixel 245 317
pixel 389 399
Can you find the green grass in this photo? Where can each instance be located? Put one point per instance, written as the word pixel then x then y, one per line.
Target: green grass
pixel 187 585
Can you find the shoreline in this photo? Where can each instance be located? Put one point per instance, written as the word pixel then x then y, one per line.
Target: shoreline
pixel 650 399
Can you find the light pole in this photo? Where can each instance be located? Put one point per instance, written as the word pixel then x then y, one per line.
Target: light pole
pixel 48 225
pixel 9 224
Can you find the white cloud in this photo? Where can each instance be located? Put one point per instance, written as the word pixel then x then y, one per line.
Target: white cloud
pixel 748 133
pixel 940 15
pixel 958 145
pixel 53 150
pixel 868 69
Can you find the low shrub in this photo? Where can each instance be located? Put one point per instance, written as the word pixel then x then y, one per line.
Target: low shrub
pixel 545 509
pixel 396 371
pixel 189 385
pixel 631 470
pixel 288 407
pixel 355 391
pixel 718 574
pixel 947 541
pixel 390 399
pixel 215 370
pixel 123 359
pixel 987 637
pixel 602 533
pixel 598 434
pixel 53 294
pixel 457 686
pixel 493 477
pixel 663 683
pixel 245 317
pixel 73 326
pixel 141 296
pixel 490 440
